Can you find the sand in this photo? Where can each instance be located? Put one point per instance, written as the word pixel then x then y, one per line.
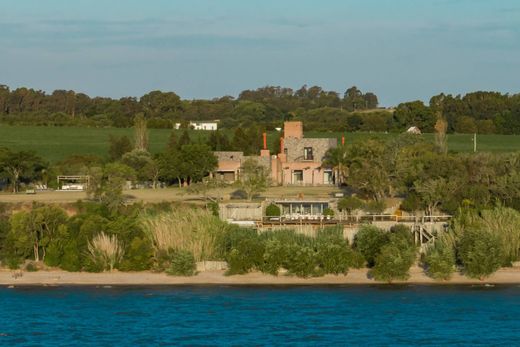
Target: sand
pixel 354 277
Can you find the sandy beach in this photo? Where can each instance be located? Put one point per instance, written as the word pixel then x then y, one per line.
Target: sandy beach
pixel 355 276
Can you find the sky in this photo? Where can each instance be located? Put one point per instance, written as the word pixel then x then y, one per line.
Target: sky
pixel 402 50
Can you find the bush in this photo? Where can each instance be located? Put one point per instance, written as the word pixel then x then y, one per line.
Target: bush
pixel 275 256
pixel 301 261
pixel 182 264
pixel 245 256
pixel 138 256
pixel 368 241
pixel 396 256
pixel 439 261
pixel 392 263
pixel 31 267
pixel 334 255
pixel 328 212
pixel 272 211
pixel 480 253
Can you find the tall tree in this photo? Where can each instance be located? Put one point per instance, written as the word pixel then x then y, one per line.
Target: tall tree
pixel 141 133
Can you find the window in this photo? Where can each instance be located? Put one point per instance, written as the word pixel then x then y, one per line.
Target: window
pixel 297 176
pixel 307 153
pixel 328 177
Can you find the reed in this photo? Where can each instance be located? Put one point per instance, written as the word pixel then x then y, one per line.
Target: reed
pixel 105 250
pixel 185 229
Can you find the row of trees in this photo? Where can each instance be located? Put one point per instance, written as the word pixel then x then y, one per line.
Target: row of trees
pixel 268 106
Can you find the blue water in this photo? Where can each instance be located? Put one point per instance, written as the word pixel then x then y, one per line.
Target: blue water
pixel 215 315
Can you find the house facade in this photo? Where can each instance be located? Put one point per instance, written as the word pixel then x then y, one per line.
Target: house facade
pixel 298 163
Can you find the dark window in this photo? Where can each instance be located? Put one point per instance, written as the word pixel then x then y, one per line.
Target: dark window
pixel 307 153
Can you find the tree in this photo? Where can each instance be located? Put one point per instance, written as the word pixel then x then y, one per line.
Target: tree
pixel 465 125
pixel 185 139
pixel 141 133
pixel 350 204
pixel 198 161
pixel 118 146
pixel 143 164
pixel 441 126
pixel 19 166
pixel 36 229
pixel 480 252
pixel 254 178
pixel 115 177
pixel 435 191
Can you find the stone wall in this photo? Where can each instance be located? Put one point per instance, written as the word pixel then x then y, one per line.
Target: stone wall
pixel 295 148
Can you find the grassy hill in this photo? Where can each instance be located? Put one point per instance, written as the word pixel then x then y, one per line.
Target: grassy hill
pixel 55 143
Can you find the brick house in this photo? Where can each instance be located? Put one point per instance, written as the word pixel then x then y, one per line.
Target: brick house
pixel 300 162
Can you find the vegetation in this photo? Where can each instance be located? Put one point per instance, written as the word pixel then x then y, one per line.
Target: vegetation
pixel 183 264
pixel 440 261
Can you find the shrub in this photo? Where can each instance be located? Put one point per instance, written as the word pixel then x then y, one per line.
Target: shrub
pixel 368 241
pixel 301 261
pixel 328 212
pixel 31 267
pixel 275 256
pixel 334 254
pixel 245 256
pixel 440 261
pixel 272 211
pixel 480 253
pixel 392 263
pixel 182 264
pixel 138 256
pixel 396 256
pixel 105 251
pixel 70 260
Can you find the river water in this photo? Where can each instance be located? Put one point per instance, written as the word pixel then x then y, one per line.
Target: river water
pixel 244 316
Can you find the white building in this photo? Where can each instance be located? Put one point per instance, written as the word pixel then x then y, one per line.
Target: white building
pixel 200 125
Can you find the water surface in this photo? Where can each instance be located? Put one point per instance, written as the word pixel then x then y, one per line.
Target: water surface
pixel 220 315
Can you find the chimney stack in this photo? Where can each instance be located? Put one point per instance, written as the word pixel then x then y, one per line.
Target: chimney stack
pixel 265 140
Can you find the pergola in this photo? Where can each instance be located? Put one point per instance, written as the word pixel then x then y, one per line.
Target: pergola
pixel 73 182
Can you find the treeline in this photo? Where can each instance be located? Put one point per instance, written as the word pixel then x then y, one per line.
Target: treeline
pixel 268 106
pixel 353 110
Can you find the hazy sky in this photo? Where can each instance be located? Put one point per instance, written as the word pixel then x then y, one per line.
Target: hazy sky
pixel 399 49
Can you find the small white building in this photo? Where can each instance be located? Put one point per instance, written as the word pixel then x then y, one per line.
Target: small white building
pixel 414 130
pixel 200 125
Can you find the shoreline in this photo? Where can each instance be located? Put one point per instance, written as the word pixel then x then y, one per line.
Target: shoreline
pixel 509 276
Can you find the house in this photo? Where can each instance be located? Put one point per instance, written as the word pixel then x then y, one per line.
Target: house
pixel 211 125
pixel 298 163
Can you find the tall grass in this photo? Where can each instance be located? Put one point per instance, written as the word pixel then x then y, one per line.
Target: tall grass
pixel 183 229
pixel 501 221
pixel 105 250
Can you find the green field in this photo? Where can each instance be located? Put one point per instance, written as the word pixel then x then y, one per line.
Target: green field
pixel 55 143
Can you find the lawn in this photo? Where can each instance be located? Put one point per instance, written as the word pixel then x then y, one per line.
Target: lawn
pixel 55 143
